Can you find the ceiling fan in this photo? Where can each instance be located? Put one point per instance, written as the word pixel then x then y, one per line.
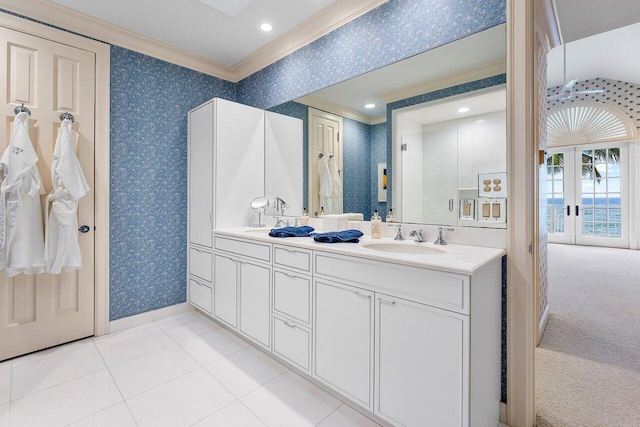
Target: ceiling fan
pixel 568 91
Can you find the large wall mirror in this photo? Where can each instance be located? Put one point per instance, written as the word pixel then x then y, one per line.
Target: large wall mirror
pixel 413 136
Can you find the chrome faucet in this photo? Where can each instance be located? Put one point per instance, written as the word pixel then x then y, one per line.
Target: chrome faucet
pixel 440 240
pixel 281 205
pixel 417 236
pixel 281 223
pixel 399 236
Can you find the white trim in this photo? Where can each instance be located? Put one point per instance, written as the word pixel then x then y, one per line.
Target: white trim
pixel 338 14
pixel 548 24
pixel 478 73
pixel 318 103
pixel 544 319
pixel 150 316
pixel 522 168
pixel 102 123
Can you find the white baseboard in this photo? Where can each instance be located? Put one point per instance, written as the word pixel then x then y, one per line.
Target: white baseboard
pixel 149 316
pixel 544 319
pixel 503 415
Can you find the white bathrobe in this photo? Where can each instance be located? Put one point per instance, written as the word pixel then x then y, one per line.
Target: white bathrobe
pixel 336 187
pixel 62 249
pixel 21 242
pixel 326 187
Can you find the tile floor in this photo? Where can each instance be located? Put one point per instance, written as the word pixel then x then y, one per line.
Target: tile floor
pixel 181 371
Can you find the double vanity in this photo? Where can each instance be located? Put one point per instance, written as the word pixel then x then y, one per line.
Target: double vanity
pixel 409 332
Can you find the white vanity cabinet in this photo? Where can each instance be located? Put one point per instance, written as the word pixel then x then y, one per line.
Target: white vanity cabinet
pixel 343 339
pixel 225 288
pixel 422 364
pixel 412 345
pixel 242 287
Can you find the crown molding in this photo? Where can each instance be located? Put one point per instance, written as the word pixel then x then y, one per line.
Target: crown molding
pixel 338 14
pixel 472 74
pixel 70 20
pixel 318 103
pixel 547 24
pixel 332 17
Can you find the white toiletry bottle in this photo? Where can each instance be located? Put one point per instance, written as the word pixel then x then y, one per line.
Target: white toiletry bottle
pixel 304 219
pixel 321 214
pixel 390 216
pixel 376 226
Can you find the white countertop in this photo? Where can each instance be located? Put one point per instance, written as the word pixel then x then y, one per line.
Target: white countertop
pixel 455 259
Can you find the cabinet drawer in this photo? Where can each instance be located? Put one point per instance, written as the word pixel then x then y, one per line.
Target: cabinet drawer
pixel 258 251
pixel 292 295
pixel 200 264
pixel 200 294
pixel 292 342
pixel 439 289
pixel 292 258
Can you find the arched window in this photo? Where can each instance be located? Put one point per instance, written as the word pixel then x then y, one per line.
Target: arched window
pixel 587 122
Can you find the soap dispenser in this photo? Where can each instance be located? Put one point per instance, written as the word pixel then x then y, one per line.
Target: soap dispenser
pixel 390 216
pixel 304 219
pixel 376 226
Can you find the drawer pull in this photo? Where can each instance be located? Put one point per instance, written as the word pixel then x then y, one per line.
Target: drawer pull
pixel 387 302
pixel 291 325
pixel 290 251
pixel 363 295
pixel 290 276
pixel 197 250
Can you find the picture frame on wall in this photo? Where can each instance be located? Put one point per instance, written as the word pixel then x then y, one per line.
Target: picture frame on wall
pixel 382 182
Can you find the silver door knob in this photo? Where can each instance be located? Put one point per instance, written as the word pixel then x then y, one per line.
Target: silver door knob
pixel 84 229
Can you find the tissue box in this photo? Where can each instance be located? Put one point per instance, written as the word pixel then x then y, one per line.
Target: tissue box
pixel 335 222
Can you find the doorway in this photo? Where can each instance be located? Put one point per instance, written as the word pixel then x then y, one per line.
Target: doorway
pixel 587 195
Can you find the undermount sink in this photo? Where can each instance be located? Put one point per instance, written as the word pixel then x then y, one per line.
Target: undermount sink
pixel 402 248
pixel 258 230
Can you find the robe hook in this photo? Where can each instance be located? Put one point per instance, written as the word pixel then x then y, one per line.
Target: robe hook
pixel 67 116
pixel 21 109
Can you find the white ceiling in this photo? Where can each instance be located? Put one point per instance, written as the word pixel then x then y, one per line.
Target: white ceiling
pixel 470 52
pixel 226 31
pixel 584 18
pixel 612 55
pixel 445 111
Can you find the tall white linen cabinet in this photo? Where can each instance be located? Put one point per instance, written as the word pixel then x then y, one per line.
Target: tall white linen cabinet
pixel 235 154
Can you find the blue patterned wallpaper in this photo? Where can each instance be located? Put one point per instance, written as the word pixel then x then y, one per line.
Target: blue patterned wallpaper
pixel 431 96
pixel 396 30
pixel 150 99
pixel 356 155
pixel 378 155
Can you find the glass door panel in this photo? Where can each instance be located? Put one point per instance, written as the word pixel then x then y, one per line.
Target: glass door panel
pixel 587 195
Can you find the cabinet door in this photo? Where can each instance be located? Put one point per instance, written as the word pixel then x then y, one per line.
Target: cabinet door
pixel 201 175
pixel 255 302
pixel 224 289
pixel 239 162
pixel 344 339
pixel 421 364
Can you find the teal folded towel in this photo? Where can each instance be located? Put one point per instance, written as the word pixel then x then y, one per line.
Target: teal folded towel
pixel 291 231
pixel 344 236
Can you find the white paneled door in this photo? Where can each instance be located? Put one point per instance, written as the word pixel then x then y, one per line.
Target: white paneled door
pixel 324 139
pixel 587 195
pixel 40 311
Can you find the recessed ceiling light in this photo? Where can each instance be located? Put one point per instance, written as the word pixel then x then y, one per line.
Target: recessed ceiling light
pixel 369 106
pixel 463 110
pixel 266 27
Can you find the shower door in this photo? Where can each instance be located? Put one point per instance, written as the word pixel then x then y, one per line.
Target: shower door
pixel 587 195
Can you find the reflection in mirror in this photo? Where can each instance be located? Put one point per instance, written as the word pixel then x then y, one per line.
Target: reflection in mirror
pixel 436 179
pixel 366 135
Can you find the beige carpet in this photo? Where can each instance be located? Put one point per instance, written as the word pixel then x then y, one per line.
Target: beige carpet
pixel 588 363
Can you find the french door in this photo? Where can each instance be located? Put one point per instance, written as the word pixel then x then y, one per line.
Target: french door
pixel 587 195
